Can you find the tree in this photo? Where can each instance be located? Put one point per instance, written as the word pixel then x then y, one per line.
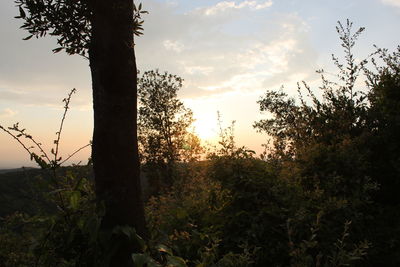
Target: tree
pixel 344 146
pixel 163 122
pixel 323 142
pixel 102 31
pixel 384 122
pixel 340 114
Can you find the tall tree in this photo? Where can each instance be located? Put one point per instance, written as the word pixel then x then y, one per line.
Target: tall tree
pixel 103 31
pixel 345 145
pixel 163 122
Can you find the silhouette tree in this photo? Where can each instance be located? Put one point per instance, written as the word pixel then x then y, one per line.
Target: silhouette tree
pixel 344 145
pixel 103 31
pixel 162 123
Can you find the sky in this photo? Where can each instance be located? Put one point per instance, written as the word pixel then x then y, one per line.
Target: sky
pixel 228 53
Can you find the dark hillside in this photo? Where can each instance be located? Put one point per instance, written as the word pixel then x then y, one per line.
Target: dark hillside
pixel 15 170
pixel 25 189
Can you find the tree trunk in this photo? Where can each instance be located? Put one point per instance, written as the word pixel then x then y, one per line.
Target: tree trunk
pixel 115 151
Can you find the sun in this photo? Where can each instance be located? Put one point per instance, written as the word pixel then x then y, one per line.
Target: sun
pixel 206 128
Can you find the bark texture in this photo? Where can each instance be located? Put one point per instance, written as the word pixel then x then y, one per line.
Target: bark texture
pixel 115 151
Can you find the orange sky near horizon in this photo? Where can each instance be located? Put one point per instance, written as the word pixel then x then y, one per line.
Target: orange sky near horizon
pixel 228 53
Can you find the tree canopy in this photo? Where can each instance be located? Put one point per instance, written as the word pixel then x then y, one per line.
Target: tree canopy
pixel 69 21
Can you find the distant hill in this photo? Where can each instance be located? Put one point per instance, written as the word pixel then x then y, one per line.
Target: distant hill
pixel 16 169
pixel 17 190
pixel 25 189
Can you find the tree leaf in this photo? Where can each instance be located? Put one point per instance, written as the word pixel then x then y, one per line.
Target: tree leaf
pixel 22 12
pixel 74 199
pixel 56 50
pixel 175 261
pixel 27 38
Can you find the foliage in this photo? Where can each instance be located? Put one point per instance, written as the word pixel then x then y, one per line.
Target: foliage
pixel 340 148
pixel 163 119
pixel 105 31
pixel 15 240
pixel 320 142
pixel 235 210
pixel 384 122
pixel 308 252
pixel 333 164
pixel 340 114
pixel 72 217
pixel 163 123
pixel 21 191
pixel 68 20
pixel 66 211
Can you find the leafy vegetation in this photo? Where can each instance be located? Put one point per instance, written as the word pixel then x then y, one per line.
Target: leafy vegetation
pixel 103 32
pixel 69 21
pixel 325 193
pixel 163 127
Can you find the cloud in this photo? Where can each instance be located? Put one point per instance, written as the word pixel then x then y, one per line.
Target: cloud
pixel 395 3
pixel 266 4
pixel 234 49
pixel 7 113
pixel 175 46
pixel 219 54
pixel 230 5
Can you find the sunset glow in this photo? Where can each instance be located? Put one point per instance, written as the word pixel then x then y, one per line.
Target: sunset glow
pixel 227 52
pixel 206 128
